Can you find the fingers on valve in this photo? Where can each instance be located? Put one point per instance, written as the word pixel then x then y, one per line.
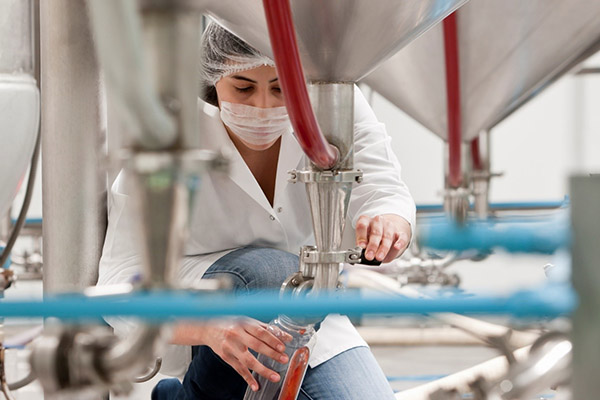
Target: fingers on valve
pixel 375 235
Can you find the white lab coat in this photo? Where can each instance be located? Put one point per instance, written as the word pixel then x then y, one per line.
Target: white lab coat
pixel 231 211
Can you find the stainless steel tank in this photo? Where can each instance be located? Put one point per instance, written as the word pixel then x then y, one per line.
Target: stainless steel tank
pixel 19 96
pixel 509 50
pixel 339 40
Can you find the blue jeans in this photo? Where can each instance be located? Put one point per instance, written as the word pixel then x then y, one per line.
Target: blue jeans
pixel 353 374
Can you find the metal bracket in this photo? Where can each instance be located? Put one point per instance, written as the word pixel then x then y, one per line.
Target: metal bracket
pixel 194 161
pixel 485 175
pixel 310 255
pixel 308 176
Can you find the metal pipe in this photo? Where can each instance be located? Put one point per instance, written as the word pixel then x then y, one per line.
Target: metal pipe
pixel 26 380
pixel 485 330
pixel 585 215
pixel 476 154
pixel 429 336
pixel 150 374
pixel 134 354
pixel 333 106
pixel 74 187
pixel 456 199
pixel 121 50
pixel 16 37
pixel 547 365
pixel 549 300
pixel 291 78
pixel 489 370
pixel 481 174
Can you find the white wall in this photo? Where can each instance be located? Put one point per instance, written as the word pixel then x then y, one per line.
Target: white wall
pixel 537 147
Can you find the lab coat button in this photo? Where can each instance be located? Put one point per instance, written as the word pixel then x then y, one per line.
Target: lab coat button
pixel 279 209
pixel 271 217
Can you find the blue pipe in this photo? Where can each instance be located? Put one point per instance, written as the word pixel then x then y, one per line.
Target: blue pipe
pixel 414 378
pixel 549 301
pixel 534 205
pixel 542 236
pixel 29 221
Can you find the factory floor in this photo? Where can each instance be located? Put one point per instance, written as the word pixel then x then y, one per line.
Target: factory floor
pixel 405 366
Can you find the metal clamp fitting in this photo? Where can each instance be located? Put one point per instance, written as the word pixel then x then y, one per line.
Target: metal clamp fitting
pixel 310 255
pixel 308 176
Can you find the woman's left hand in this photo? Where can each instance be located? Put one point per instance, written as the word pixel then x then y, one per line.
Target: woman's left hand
pixel 383 237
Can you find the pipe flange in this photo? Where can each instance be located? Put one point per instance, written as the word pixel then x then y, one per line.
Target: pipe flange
pixel 456 203
pixel 308 176
pixel 310 255
pixel 296 284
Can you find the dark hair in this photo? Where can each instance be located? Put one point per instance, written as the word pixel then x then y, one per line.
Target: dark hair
pixel 209 95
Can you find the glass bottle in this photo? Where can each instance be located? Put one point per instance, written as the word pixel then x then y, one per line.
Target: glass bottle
pixel 298 351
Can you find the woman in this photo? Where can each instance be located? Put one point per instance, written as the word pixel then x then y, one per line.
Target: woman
pixel 249 226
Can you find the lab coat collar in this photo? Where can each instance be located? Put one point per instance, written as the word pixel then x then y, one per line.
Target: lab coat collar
pixel 216 138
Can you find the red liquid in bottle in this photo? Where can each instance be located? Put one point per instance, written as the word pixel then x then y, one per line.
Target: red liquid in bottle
pixel 295 374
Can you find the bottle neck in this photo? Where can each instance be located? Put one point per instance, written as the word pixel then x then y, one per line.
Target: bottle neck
pixel 289 324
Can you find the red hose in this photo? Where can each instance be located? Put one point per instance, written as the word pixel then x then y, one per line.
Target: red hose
pixel 453 100
pixel 291 78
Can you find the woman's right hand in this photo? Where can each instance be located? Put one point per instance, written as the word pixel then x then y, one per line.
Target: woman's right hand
pixel 232 339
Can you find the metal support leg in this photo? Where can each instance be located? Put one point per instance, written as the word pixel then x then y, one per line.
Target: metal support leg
pixel 74 187
pixel 585 214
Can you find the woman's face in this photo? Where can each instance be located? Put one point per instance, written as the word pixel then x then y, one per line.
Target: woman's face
pixel 258 87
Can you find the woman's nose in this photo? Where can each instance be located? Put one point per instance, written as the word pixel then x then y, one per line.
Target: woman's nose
pixel 264 99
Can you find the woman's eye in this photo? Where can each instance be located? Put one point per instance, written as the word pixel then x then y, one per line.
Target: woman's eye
pixel 276 89
pixel 244 89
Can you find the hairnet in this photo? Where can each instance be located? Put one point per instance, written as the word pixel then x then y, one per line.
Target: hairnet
pixel 224 54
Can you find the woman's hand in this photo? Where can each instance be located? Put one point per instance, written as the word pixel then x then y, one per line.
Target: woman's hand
pixel 383 237
pixel 231 340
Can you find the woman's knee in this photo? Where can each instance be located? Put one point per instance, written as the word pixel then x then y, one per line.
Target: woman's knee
pixel 275 266
pixel 353 375
pixel 255 267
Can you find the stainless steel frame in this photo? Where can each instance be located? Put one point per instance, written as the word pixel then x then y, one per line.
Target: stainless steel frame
pixel 481 178
pixel 73 131
pixel 585 215
pixel 329 191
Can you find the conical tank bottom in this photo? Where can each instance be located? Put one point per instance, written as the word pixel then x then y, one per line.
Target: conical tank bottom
pixel 508 51
pixel 339 40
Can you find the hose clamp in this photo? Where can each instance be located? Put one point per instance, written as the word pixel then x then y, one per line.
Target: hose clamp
pixel 310 255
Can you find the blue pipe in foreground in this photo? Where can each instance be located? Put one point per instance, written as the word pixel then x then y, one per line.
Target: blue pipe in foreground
pixel 534 205
pixel 549 301
pixel 545 236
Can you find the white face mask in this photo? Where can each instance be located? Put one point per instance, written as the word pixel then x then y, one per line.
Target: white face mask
pixel 255 126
